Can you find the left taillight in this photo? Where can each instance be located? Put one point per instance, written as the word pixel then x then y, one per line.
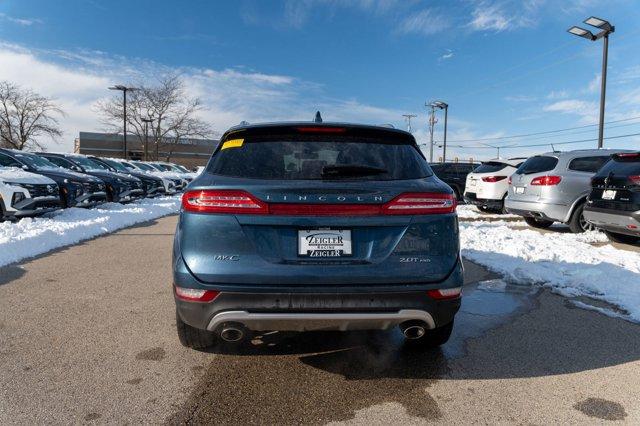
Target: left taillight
pixel 493 179
pixel 420 203
pixel 222 201
pixel 195 294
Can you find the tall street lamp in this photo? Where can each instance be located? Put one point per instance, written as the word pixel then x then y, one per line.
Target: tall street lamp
pixel 605 29
pixel 124 90
pixel 445 107
pixel 146 122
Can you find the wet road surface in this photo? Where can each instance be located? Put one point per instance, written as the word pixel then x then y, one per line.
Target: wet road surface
pixel 87 335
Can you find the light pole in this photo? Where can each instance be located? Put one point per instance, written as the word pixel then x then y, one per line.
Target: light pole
pixel 146 136
pixel 408 118
pixel 432 123
pixel 445 107
pixel 605 29
pixel 124 90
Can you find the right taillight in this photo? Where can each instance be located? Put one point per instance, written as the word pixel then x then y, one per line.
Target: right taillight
pixel 420 203
pixel 546 180
pixel 445 293
pixel 223 201
pixel 635 179
pixel 493 179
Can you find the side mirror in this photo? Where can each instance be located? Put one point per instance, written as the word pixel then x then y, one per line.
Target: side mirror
pixel 76 168
pixel 25 167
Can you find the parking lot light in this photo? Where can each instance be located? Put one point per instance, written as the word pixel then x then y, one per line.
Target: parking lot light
pixel 598 23
pixel 581 32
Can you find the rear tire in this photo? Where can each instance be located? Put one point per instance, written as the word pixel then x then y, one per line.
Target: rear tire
pixel 192 337
pixel 538 223
pixel 578 224
pixel 433 338
pixel 622 238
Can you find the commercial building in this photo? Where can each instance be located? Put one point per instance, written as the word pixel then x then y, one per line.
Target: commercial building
pixel 188 152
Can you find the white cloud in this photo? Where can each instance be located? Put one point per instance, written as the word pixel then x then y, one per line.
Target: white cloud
pixel 594 84
pixel 502 16
pixel 587 110
pixel 558 94
pixel 20 21
pixel 78 79
pixel 424 22
pixel 448 55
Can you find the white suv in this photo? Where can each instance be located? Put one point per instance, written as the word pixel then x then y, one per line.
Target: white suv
pixel 26 194
pixel 488 185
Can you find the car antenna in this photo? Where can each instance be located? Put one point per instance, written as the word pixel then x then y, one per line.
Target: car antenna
pixel 553 148
pixel 318 118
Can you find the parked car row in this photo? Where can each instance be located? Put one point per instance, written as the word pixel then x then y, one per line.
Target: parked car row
pixel 584 189
pixel 32 184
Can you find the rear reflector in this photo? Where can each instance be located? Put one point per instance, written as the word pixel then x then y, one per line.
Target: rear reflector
pixel 635 179
pixel 195 295
pixel 445 293
pixel 546 180
pixel 492 179
pixel 241 202
pixel 321 129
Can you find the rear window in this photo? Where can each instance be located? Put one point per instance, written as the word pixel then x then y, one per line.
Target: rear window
pixel 588 164
pixel 537 164
pixel 315 159
pixel 490 167
pixel 625 166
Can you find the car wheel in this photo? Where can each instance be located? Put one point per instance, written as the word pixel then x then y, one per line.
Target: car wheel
pixel 192 337
pixel 433 338
pixel 578 223
pixel 622 238
pixel 538 223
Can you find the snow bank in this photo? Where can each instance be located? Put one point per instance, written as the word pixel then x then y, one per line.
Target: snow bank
pixel 34 236
pixel 567 263
pixel 468 211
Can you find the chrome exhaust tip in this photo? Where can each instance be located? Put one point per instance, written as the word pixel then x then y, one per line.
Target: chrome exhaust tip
pixel 413 330
pixel 231 334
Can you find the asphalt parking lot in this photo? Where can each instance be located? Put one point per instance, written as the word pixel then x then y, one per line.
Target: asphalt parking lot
pixel 87 336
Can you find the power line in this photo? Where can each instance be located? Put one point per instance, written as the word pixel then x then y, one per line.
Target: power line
pixel 542 133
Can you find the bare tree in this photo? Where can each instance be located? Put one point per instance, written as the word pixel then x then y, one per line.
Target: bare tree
pixel 25 117
pixel 174 114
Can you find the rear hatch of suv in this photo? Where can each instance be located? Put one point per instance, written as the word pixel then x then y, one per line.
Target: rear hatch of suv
pixel 533 177
pixel 318 205
pixel 489 172
pixel 616 186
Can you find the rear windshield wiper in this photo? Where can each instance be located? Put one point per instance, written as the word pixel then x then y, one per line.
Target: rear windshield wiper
pixel 351 170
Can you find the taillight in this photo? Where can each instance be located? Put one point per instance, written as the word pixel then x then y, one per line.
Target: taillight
pixel 195 295
pixel 635 179
pixel 546 180
pixel 627 154
pixel 493 179
pixel 421 203
pixel 223 201
pixel 445 293
pixel 510 180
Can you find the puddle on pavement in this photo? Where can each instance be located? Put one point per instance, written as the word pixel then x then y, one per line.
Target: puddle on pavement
pixel 314 378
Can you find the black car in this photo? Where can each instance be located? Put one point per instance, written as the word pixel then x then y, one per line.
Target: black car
pixel 120 188
pixel 76 189
pixel 614 202
pixel 152 185
pixel 454 175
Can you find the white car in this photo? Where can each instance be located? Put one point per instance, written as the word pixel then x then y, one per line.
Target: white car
pixel 26 194
pixel 173 168
pixel 488 185
pixel 177 180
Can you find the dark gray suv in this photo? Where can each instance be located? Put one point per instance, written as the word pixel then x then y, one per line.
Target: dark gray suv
pixel 315 226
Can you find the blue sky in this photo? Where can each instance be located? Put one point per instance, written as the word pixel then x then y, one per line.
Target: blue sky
pixel 505 67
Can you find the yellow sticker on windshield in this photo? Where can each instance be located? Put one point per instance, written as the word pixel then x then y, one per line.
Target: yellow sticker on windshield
pixel 233 143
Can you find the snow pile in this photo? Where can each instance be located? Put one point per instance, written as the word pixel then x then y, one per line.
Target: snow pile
pixel 569 264
pixel 34 236
pixel 468 211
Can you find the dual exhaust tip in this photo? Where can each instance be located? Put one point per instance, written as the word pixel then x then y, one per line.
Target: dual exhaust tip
pixel 411 330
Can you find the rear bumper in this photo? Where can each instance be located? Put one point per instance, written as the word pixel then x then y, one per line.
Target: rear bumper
pixel 538 209
pixel 326 308
pixel 627 223
pixel 471 198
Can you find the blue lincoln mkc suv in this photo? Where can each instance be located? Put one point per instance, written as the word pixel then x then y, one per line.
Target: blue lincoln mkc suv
pixel 316 226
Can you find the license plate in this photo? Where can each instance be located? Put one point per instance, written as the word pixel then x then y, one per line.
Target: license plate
pixel 324 242
pixel 608 194
pixel 518 189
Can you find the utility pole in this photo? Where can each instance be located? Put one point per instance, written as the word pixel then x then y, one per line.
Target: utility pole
pixel 124 90
pixel 444 149
pixel 146 137
pixel 407 118
pixel 432 123
pixel 605 28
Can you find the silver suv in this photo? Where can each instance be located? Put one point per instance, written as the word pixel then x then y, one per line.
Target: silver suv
pixel 553 187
